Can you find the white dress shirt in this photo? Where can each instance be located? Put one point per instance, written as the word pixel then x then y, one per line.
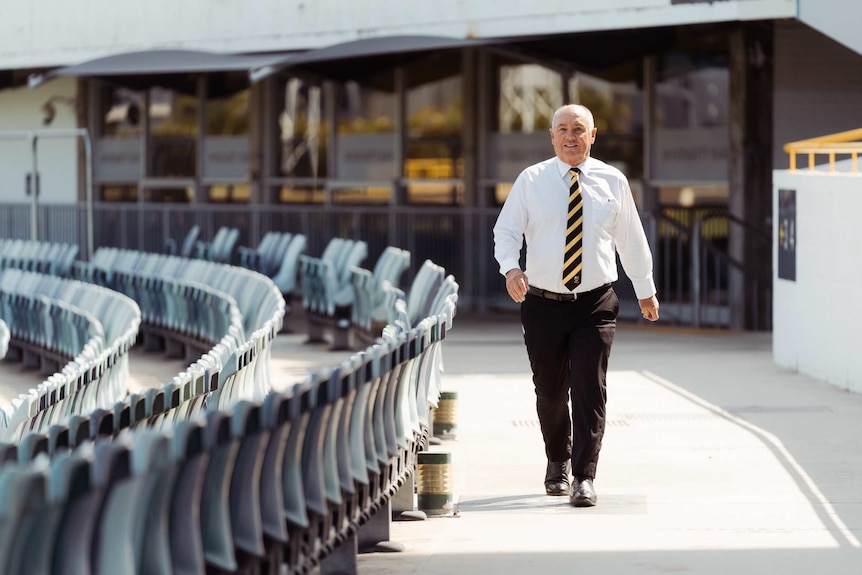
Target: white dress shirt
pixel 536 211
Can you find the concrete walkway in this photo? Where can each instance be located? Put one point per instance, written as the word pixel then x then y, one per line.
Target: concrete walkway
pixel 715 461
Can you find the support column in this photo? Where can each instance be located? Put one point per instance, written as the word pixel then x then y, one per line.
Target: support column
pixel 750 166
pixel 649 202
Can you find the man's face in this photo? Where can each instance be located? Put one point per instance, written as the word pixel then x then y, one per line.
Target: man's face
pixel 572 136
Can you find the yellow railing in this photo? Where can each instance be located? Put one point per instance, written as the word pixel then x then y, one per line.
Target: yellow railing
pixel 840 144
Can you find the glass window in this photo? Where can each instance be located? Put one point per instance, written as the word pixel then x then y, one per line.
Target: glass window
pixel 435 119
pixel 119 193
pixel 169 195
pixel 366 133
pixel 527 96
pixel 692 128
pixel 121 113
pixel 374 195
pixel 300 194
pixel 303 131
pixel 226 145
pixel 229 194
pixel 118 149
pixel 228 115
pixel 617 107
pixel 174 131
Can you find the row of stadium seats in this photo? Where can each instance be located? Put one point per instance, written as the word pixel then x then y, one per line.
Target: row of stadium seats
pixel 84 332
pixel 44 257
pixel 206 473
pixel 327 292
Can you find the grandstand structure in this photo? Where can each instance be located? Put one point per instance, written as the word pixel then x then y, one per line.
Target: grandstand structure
pixel 404 124
pixel 221 469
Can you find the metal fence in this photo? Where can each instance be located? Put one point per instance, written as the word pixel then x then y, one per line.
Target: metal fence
pixel 693 272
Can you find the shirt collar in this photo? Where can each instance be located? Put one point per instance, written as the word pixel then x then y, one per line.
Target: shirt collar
pixel 564 167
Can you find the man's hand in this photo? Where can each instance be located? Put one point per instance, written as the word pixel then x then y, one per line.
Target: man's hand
pixel 649 308
pixel 516 284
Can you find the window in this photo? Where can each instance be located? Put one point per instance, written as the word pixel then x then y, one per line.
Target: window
pixel 433 164
pixel 692 129
pixel 174 131
pixel 617 107
pixel 119 193
pixel 527 97
pixel 303 132
pixel 365 165
pixel 118 149
pixel 226 145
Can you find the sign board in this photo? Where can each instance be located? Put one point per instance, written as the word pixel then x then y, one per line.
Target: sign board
pixel 687 155
pixel 509 154
pixel 117 159
pixel 786 240
pixel 366 157
pixel 226 157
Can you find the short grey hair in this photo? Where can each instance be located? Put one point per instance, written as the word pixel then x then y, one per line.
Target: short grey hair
pixel 583 109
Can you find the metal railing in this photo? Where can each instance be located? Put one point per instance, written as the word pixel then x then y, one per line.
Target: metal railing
pixel 723 284
pixel 692 268
pixel 833 145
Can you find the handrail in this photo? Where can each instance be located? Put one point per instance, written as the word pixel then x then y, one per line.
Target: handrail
pixel 843 143
pixel 732 262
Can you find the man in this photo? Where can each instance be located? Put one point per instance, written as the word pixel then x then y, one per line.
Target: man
pixel 574 212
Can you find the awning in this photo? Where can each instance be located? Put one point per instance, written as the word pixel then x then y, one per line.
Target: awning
pixel 592 51
pixel 172 68
pixel 357 58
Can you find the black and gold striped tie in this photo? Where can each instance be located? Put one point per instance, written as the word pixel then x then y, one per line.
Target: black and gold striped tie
pixel 574 234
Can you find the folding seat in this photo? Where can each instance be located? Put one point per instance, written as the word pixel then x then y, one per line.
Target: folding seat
pixel 361 434
pixel 30 446
pixel 337 474
pixel 189 241
pixel 276 256
pixel 224 254
pixel 58 439
pixel 422 290
pixel 376 451
pixel 33 549
pixel 278 412
pixel 119 544
pixel 246 521
pixel 205 251
pixel 79 525
pixel 253 258
pixel 350 453
pixel 152 542
pixel 319 487
pixel 191 445
pixel 295 509
pixel 363 284
pixel 215 523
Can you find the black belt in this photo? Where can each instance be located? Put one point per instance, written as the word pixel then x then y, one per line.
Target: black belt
pixel 539 292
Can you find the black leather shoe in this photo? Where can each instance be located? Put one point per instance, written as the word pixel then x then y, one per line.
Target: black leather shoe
pixel 557 478
pixel 583 494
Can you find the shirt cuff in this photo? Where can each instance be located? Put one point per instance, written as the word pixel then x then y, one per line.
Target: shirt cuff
pixel 644 288
pixel 507 265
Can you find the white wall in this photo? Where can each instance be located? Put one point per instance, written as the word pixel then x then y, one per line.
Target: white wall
pixel 818 318
pixel 21 110
pixel 54 32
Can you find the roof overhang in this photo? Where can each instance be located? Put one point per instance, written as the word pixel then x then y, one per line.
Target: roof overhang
pixel 367 55
pixel 172 68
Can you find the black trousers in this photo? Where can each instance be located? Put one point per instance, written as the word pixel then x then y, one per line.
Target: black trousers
pixel 569 344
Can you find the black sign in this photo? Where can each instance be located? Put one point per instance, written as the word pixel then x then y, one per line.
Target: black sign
pixel 787 234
